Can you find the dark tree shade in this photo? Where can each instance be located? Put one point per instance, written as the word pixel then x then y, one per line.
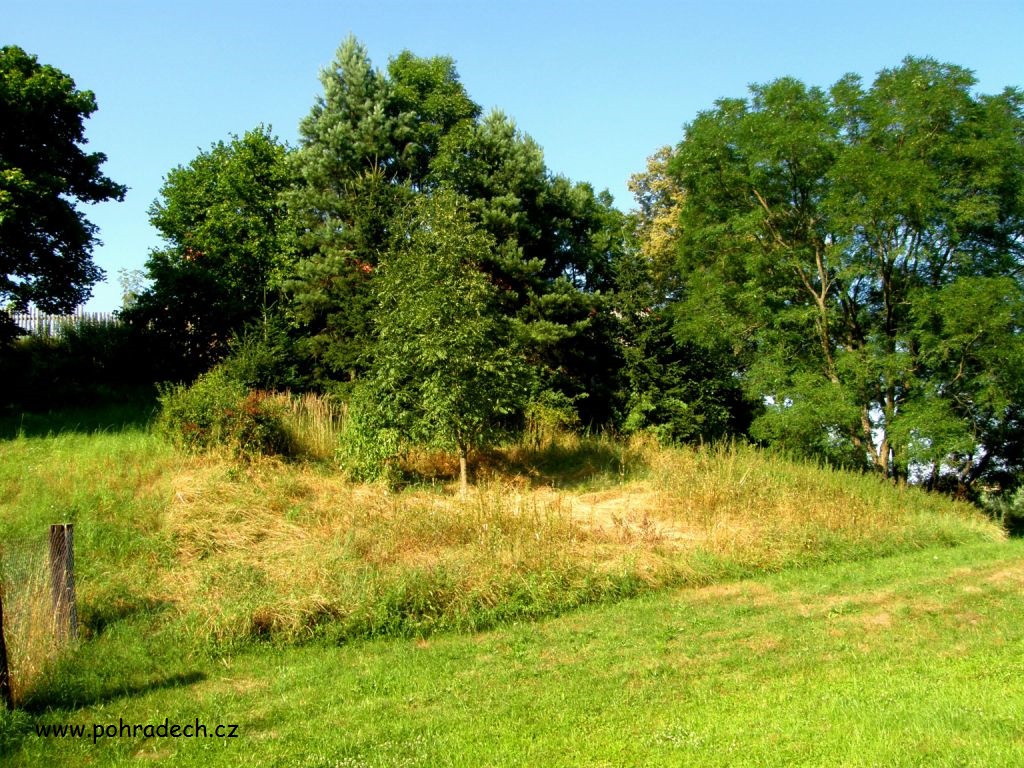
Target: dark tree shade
pixel 45 242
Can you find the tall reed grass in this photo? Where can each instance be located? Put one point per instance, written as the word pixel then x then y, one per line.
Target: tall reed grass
pixel 313 423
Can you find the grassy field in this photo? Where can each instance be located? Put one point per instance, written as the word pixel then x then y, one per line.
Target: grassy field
pixel 251 593
pixel 903 661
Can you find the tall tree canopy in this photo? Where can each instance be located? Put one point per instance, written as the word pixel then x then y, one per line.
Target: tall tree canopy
pixel 859 251
pixel 364 147
pixel 378 139
pixel 45 241
pixel 222 220
pixel 681 389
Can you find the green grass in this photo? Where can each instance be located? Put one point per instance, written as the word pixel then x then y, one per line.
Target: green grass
pixel 247 591
pixel 231 552
pixel 903 661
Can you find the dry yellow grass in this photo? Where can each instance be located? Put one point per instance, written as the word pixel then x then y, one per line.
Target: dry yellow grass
pixel 287 549
pixel 28 620
pixel 228 550
pixel 314 424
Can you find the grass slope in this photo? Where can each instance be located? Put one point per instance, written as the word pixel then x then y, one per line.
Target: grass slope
pixel 230 552
pixel 186 564
pixel 909 660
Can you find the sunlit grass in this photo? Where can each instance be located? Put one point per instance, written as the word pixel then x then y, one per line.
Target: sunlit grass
pixel 903 661
pixel 227 552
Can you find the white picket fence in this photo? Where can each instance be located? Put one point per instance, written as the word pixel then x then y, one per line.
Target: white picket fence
pixel 41 324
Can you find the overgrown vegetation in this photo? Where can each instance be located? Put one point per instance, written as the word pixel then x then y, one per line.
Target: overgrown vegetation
pixel 411 297
pixel 831 272
pixel 218 553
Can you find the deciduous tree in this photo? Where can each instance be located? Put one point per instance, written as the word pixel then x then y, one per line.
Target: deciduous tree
pixel 222 220
pixel 448 370
pixel 45 241
pixel 837 240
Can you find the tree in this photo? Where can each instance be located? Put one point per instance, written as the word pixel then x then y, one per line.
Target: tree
pixel 659 196
pixel 447 371
pixel 223 223
pixel 365 148
pixel 837 242
pixel 555 243
pixel 45 241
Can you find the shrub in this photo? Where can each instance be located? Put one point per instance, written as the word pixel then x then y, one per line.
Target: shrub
pixel 368 450
pixel 218 411
pixel 550 416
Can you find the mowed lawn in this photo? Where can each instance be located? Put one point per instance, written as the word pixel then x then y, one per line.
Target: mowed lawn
pixel 911 660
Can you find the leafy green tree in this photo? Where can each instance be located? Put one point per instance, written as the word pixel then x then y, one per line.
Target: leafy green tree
pixel 555 243
pixel 45 241
pixel 225 232
pixel 375 141
pixel 429 102
pixel 659 197
pixel 365 149
pixel 447 368
pixel 680 389
pixel 836 241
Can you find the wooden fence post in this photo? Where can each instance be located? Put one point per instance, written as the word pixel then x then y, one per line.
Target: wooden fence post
pixel 5 672
pixel 62 581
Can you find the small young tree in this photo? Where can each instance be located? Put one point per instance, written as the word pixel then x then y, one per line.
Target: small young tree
pixel 446 371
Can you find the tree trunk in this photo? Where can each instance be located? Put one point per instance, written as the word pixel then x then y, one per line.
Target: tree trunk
pixel 463 471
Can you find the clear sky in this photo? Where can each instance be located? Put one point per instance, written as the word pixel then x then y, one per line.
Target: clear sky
pixel 599 85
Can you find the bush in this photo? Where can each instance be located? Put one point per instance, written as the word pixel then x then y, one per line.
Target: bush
pixel 218 411
pixel 368 450
pixel 550 416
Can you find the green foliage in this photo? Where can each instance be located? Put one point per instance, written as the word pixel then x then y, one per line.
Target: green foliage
pixel 429 102
pixel 447 369
pixel 370 449
pixel 855 250
pixel 555 243
pixel 549 416
pixel 222 221
pixel 682 391
pixel 45 242
pixel 217 411
pixel 341 207
pixel 264 358
pixel 374 142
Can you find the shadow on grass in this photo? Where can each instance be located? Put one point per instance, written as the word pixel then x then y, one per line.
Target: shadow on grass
pixel 567 464
pixel 1014 526
pixel 76 696
pixel 570 463
pixel 135 412
pixel 95 618
pixel 21 723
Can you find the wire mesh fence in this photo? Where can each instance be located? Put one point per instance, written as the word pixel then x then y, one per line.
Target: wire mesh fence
pixel 37 591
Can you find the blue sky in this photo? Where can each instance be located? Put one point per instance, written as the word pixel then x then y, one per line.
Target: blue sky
pixel 599 85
